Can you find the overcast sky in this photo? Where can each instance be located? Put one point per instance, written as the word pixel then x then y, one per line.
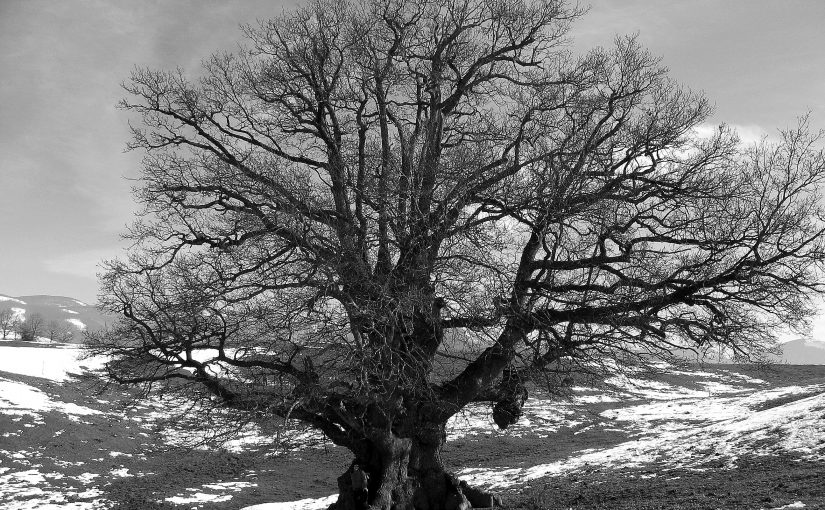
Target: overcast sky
pixel 64 198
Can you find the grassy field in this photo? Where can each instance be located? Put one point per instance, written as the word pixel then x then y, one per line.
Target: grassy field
pixel 705 437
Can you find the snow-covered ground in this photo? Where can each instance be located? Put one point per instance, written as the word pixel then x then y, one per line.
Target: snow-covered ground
pixel 77 323
pixel 55 363
pixel 719 415
pixel 304 504
pixel 12 300
pixel 673 426
pixel 19 398
pixel 29 489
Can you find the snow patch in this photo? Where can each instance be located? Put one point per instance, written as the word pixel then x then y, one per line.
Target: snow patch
pixel 199 497
pixel 202 497
pixel 77 323
pixel 540 417
pixel 86 478
pixel 20 491
pixel 13 300
pixel 233 486
pixel 22 399
pixel 20 484
pixel 49 363
pixel 302 504
pixel 687 432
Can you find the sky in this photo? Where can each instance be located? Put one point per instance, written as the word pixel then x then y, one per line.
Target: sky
pixel 65 177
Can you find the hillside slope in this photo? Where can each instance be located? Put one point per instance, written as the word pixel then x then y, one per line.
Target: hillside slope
pixel 717 436
pixel 803 351
pixel 75 313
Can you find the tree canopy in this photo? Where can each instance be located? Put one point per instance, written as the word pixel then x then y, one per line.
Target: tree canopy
pixel 378 212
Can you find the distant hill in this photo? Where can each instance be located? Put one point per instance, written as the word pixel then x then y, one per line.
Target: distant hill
pixel 803 351
pixel 83 316
pixel 77 314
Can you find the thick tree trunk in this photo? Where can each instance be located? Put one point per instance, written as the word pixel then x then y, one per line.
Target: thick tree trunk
pixel 407 474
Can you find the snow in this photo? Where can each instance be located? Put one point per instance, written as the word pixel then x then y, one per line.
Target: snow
pixel 721 415
pixel 19 491
pixel 20 483
pixel 234 486
pixel 26 505
pixel 541 418
pixel 77 323
pixel 18 398
pixel 202 497
pixel 199 497
pixel 303 504
pixel 689 429
pixel 13 300
pixel 55 363
pixel 86 478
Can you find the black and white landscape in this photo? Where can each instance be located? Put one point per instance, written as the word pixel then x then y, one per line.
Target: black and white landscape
pixel 71 316
pixel 715 436
pixel 412 255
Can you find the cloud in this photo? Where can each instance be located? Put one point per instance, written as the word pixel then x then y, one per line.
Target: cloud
pixel 749 134
pixel 84 263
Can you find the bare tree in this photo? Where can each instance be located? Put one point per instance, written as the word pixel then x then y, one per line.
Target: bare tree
pixel 381 212
pixel 52 330
pixel 59 331
pixel 31 327
pixel 65 333
pixel 7 321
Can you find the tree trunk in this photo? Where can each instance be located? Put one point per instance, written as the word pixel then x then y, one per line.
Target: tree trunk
pixel 407 474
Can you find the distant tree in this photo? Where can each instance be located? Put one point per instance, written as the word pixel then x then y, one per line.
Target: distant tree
pixel 384 211
pixel 7 321
pixel 31 327
pixel 59 331
pixel 65 333
pixel 52 330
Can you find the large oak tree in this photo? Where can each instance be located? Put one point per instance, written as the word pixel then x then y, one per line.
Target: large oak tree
pixel 379 212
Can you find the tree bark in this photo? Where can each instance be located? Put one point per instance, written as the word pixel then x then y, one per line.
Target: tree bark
pixel 407 474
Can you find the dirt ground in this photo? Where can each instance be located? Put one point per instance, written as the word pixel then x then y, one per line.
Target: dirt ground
pixel 756 482
pixel 117 456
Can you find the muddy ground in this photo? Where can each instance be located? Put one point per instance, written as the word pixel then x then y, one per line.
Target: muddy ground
pixel 121 459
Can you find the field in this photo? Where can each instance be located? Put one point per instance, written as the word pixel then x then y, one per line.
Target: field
pixel 692 438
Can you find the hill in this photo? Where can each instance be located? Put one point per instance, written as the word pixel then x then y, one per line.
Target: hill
pixel 75 313
pixel 800 351
pixel 717 436
pixel 803 351
pixel 82 316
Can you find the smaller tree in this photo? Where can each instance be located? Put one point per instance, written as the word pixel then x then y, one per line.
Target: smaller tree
pixel 65 334
pixel 31 327
pixel 8 320
pixel 52 328
pixel 58 331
